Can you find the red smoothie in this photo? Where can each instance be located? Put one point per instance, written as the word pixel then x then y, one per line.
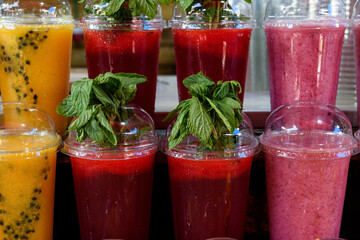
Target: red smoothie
pixel 356 31
pixel 221 54
pixel 131 51
pixel 304 61
pixel 209 197
pixel 113 196
pixel 306 186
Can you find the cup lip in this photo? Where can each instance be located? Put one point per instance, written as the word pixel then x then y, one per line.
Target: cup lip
pixel 93 23
pixel 31 20
pixel 305 23
pixel 198 24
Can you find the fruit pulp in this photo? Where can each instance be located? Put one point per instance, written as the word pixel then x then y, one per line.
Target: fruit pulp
pixel 304 62
pixel 113 196
pixel 306 191
pixel 220 54
pixel 209 197
pixel 27 184
pixel 35 66
pixel 130 51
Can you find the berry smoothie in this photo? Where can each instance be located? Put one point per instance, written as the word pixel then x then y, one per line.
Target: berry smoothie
pixel 209 196
pixel 220 54
pixel 306 187
pixel 113 196
pixel 304 61
pixel 131 51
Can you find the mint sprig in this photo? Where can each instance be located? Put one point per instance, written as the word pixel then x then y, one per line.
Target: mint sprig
pixel 212 112
pixel 95 103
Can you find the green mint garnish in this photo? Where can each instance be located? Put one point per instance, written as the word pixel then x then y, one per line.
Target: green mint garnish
pixel 96 103
pixel 122 10
pixel 212 112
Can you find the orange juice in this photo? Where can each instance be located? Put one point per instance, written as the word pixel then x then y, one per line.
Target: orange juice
pixel 35 66
pixel 27 183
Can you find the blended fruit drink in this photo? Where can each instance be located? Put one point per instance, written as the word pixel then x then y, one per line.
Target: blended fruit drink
pixel 124 48
pixel 304 61
pixel 306 172
pixel 220 54
pixel 27 177
pixel 35 54
pixel 209 196
pixel 113 196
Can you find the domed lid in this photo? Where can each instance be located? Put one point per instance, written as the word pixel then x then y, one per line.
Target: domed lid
pixel 241 143
pixel 35 12
pixel 95 12
pixel 308 128
pixel 24 128
pixel 136 136
pixel 306 10
pixel 219 11
pixel 356 10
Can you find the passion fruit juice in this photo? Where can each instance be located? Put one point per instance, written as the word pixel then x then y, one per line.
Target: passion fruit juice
pixel 35 66
pixel 27 182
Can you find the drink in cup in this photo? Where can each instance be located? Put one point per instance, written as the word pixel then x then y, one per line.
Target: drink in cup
pixel 35 54
pixel 306 170
pixel 27 173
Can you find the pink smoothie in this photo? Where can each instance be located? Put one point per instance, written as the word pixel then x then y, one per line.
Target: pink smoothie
pixel 306 186
pixel 356 31
pixel 304 62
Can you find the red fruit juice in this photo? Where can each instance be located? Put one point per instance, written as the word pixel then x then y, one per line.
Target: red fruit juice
pixel 113 196
pixel 209 197
pixel 131 51
pixel 304 61
pixel 356 31
pixel 221 54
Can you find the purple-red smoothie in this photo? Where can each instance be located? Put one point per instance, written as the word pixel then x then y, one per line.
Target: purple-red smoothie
pixel 306 186
pixel 304 61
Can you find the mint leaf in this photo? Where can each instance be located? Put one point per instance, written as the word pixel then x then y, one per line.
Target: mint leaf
pixel 114 6
pixel 66 108
pixel 102 96
pixel 92 128
pixel 226 114
pixel 109 133
pixel 81 135
pixel 83 119
pixel 198 79
pixel 80 94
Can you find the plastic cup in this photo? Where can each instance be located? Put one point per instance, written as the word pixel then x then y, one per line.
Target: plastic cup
pixel 36 42
pixel 113 185
pixel 218 49
pixel 209 188
pixel 304 44
pixel 356 32
pixel 307 152
pixel 130 46
pixel 27 172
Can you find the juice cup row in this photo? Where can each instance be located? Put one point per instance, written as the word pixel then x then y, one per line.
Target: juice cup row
pixel 307 152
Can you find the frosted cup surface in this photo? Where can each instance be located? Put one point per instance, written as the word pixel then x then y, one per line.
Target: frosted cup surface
pixel 113 184
pixel 307 152
pixel 209 188
pixel 304 44
pixel 28 148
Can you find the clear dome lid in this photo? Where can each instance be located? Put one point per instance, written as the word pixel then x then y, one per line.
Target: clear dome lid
pixel 333 10
pixel 136 137
pixel 94 13
pixel 25 129
pixel 218 12
pixel 241 143
pixel 36 12
pixel 308 129
pixel 356 10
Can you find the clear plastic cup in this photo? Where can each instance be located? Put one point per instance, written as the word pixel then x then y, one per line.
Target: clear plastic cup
pixel 304 44
pixel 356 32
pixel 27 172
pixel 36 43
pixel 131 45
pixel 113 185
pixel 209 188
pixel 218 47
pixel 307 152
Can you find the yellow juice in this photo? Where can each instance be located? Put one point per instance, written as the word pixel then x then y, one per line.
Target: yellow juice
pixel 35 66
pixel 27 183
